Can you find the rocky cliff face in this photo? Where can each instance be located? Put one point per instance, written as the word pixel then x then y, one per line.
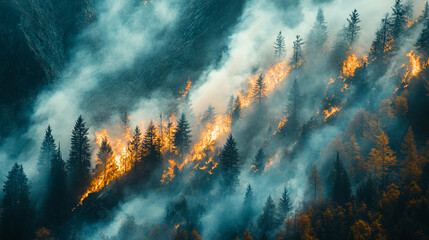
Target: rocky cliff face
pixel 34 38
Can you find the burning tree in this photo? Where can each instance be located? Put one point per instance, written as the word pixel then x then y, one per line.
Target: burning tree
pixel 229 164
pixel 297 57
pixel 182 137
pixel 259 90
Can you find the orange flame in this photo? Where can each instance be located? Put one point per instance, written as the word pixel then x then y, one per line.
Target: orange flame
pixel 413 68
pixel 280 125
pixel 331 112
pixel 351 64
pixel 120 158
pixel 272 77
pixel 184 93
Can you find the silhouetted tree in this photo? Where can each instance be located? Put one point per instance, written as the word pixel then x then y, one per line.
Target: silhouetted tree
pixel 56 210
pixel 151 150
pixel 258 163
pixel 229 164
pixel 208 116
pixel 341 190
pixel 47 152
pixel 291 127
pixel 284 206
pixel 412 168
pixel 383 42
pixel 182 136
pixel 399 19
pixel 17 213
pixel 134 148
pixel 236 110
pixel 318 35
pixel 423 41
pixel 248 209
pixel 78 164
pixel 267 222
pixel 258 92
pixel 298 56
pixel 353 28
pixel 105 164
pixel 279 46
pixel 314 183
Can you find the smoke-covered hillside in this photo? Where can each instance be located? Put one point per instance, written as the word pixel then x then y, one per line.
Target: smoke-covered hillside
pixel 203 119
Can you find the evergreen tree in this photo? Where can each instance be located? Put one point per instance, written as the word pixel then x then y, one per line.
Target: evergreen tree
pixel 151 150
pixel 383 41
pixel 314 189
pixel 425 12
pixel 57 191
pixel 381 158
pixel 285 206
pixel 47 152
pixel 291 127
pixel 318 34
pixel 78 164
pixel 279 46
pixel 423 41
pixel 182 136
pixel 267 222
pixel 134 148
pixel 236 110
pixel 297 57
pixel 399 19
pixel 353 28
pixel 341 190
pixel 412 168
pixel 125 120
pixel 208 116
pixel 105 164
pixel 259 162
pixel 248 206
pixel 17 213
pixel 258 92
pixel 229 164
pixel 367 193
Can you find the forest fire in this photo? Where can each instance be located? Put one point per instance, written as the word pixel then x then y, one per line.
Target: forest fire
pixel 273 76
pixel 413 68
pixel 351 64
pixel 331 112
pixel 280 125
pixel 184 93
pixel 115 167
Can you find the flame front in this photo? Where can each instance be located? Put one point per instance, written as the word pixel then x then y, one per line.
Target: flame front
pixel 351 64
pixel 413 69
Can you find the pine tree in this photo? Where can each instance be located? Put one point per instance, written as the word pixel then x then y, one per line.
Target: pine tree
pixel 353 28
pixel 105 164
pixel 134 148
pixel 182 136
pixel 411 164
pixel 399 20
pixel 208 116
pixel 78 164
pixel 381 158
pixel 259 162
pixel 57 191
pixel 258 93
pixel 229 164
pixel 236 110
pixel 318 34
pixel 267 222
pixel 291 127
pixel 285 206
pixel 125 120
pixel 17 213
pixel 314 189
pixel 279 46
pixel 425 12
pixel 297 57
pixel 47 152
pixel 151 150
pixel 383 42
pixel 248 209
pixel 341 190
pixel 422 43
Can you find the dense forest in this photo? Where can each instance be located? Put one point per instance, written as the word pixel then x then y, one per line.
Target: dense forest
pixel 322 139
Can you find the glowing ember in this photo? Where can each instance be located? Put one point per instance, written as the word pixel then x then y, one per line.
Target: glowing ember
pixel 280 125
pixel 351 64
pixel 345 87
pixel 275 75
pixel 331 112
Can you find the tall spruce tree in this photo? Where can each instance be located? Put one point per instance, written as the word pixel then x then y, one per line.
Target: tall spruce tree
pixel 383 42
pixel 134 148
pixel 229 164
pixel 259 162
pixel 353 28
pixel 399 19
pixel 47 152
pixel 17 213
pixel 298 56
pixel 422 43
pixel 182 137
pixel 259 90
pixel 279 46
pixel 236 110
pixel 151 150
pixel 105 163
pixel 318 35
pixel 291 127
pixel 56 210
pixel 79 163
pixel 248 209
pixel 341 191
pixel 267 222
pixel 284 206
